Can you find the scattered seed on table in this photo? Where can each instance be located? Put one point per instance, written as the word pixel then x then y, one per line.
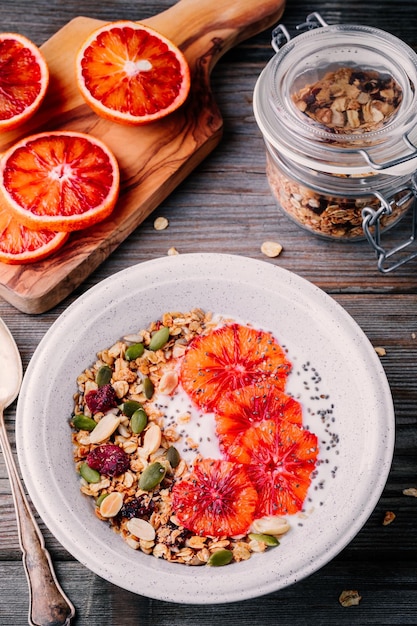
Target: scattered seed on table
pixel 160 223
pixel 389 517
pixel 271 248
pixel 172 251
pixel 349 598
pixel 380 351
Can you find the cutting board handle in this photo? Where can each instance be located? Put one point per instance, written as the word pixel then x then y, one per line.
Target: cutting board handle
pixel 226 23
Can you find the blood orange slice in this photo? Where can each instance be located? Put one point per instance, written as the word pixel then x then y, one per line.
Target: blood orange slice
pixel 216 500
pixel 24 79
pixel 228 358
pixel 129 73
pixel 280 458
pixel 19 244
pixel 240 409
pixel 61 181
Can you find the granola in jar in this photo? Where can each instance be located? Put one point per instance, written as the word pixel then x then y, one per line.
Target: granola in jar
pixel 350 100
pixel 330 215
pixel 336 108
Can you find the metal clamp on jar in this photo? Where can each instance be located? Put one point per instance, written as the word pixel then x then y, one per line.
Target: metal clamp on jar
pixel 337 109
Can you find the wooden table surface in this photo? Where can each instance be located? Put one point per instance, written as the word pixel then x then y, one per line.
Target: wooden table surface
pixel 225 206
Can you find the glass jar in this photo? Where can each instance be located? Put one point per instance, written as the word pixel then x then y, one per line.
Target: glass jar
pixel 337 108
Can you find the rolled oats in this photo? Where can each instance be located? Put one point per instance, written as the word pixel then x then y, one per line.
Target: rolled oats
pixel 271 248
pixel 161 223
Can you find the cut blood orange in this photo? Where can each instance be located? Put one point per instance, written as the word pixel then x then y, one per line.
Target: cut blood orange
pixel 280 458
pixel 240 409
pixel 19 244
pixel 229 358
pixel 61 181
pixel 216 499
pixel 24 79
pixel 129 73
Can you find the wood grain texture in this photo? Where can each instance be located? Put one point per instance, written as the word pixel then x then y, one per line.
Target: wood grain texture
pixel 153 159
pixel 226 206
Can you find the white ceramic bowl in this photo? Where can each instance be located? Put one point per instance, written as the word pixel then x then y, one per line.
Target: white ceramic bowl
pixel 322 340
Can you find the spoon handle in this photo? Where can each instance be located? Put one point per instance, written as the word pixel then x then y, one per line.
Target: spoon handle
pixel 49 605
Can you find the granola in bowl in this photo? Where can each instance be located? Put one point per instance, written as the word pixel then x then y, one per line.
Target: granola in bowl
pixel 336 376
pixel 146 470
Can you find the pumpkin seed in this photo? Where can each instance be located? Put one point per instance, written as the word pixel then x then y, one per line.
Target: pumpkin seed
pixel 173 456
pixel 134 351
pixel 84 423
pixel 220 557
pixel 151 476
pixel 148 387
pixel 104 375
pixel 89 474
pixel 138 421
pixel 268 540
pixel 159 338
pixel 129 407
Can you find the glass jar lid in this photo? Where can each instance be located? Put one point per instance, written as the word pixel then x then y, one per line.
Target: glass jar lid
pixel 342 99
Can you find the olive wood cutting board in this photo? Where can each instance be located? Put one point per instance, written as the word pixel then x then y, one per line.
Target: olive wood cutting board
pixel 153 159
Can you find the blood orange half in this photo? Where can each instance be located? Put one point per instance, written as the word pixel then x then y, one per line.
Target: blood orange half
pixel 280 458
pixel 240 409
pixel 129 73
pixel 61 181
pixel 217 499
pixel 229 358
pixel 24 79
pixel 19 244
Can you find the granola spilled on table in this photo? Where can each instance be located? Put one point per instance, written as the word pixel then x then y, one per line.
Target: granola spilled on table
pixel 129 457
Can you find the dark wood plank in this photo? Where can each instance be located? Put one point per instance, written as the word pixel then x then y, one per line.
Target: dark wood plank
pixel 226 206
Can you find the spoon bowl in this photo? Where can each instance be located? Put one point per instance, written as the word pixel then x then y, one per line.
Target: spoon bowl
pixel 48 604
pixel 10 367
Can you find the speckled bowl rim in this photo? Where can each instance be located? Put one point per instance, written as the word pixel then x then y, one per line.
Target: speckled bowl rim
pixel 306 320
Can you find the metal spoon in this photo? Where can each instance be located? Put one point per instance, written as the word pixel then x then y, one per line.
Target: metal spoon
pixel 48 605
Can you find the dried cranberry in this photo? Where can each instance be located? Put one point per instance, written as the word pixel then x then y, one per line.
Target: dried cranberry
pixel 101 399
pixel 138 507
pixel 108 459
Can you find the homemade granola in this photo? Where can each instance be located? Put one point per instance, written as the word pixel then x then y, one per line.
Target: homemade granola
pixel 130 457
pixel 328 215
pixel 350 100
